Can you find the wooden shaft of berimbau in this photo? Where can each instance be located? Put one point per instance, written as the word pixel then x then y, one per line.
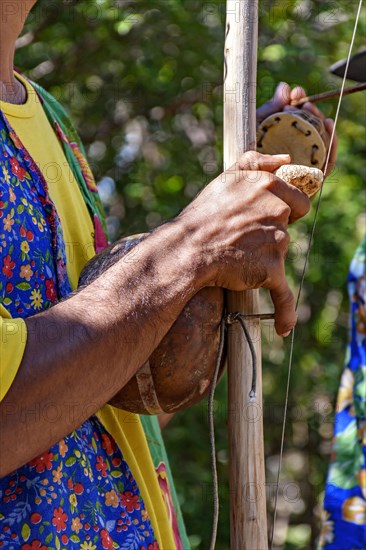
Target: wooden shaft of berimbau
pixel 329 95
pixel 248 518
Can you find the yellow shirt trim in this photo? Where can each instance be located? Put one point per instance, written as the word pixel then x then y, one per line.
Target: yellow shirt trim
pixel 35 132
pixel 32 127
pixel 30 123
pixel 13 334
pixel 128 433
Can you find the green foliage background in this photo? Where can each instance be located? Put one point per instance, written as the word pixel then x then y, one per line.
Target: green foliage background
pixel 142 81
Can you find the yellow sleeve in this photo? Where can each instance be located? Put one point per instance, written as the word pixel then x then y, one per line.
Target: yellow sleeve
pixel 13 334
pixel 128 433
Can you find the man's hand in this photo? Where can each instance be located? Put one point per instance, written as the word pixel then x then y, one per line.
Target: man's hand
pixel 240 222
pixel 281 101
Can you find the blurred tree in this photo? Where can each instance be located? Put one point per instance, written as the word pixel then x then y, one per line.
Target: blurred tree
pixel 142 82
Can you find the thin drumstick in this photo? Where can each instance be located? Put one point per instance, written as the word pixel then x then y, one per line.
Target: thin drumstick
pixel 328 95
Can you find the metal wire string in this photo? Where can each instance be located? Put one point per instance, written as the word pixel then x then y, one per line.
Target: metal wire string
pixel 230 319
pixel 304 273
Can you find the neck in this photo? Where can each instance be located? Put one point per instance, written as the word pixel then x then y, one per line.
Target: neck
pixel 8 84
pixel 11 90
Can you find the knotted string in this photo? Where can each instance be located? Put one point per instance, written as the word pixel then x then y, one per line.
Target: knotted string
pixel 226 320
pixel 211 428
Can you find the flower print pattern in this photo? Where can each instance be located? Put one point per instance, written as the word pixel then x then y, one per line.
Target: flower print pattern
pixel 76 525
pixel 80 493
pixel 101 466
pixel 59 519
pixel 344 514
pixel 42 462
pixel 6 176
pixel 16 169
pixel 130 501
pixel 106 540
pixel 36 545
pixel 33 252
pixel 108 444
pixel 51 293
pixel 36 299
pixel 111 499
pixel 8 221
pixel 8 266
pixel 24 247
pixel 55 501
pixel 57 475
pixel 26 272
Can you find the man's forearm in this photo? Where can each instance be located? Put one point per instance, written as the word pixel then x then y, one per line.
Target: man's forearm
pixel 102 335
pixel 85 349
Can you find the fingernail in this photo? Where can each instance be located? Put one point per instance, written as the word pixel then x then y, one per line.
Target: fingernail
pixel 284 155
pixel 287 334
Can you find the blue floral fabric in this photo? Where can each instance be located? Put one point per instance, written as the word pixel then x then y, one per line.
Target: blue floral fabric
pixel 80 493
pixel 344 514
pixel 32 249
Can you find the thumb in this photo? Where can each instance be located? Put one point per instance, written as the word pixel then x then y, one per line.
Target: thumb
pixel 267 163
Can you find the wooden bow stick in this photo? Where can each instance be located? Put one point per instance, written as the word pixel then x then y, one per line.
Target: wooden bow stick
pixel 329 95
pixel 248 519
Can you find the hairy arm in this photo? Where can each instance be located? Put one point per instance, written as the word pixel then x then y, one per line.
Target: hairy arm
pixel 81 352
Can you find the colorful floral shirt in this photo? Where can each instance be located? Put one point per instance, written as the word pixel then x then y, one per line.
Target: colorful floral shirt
pixel 81 493
pixel 344 514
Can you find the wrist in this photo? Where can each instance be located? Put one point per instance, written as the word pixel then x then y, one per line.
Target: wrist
pixel 180 247
pixel 199 242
